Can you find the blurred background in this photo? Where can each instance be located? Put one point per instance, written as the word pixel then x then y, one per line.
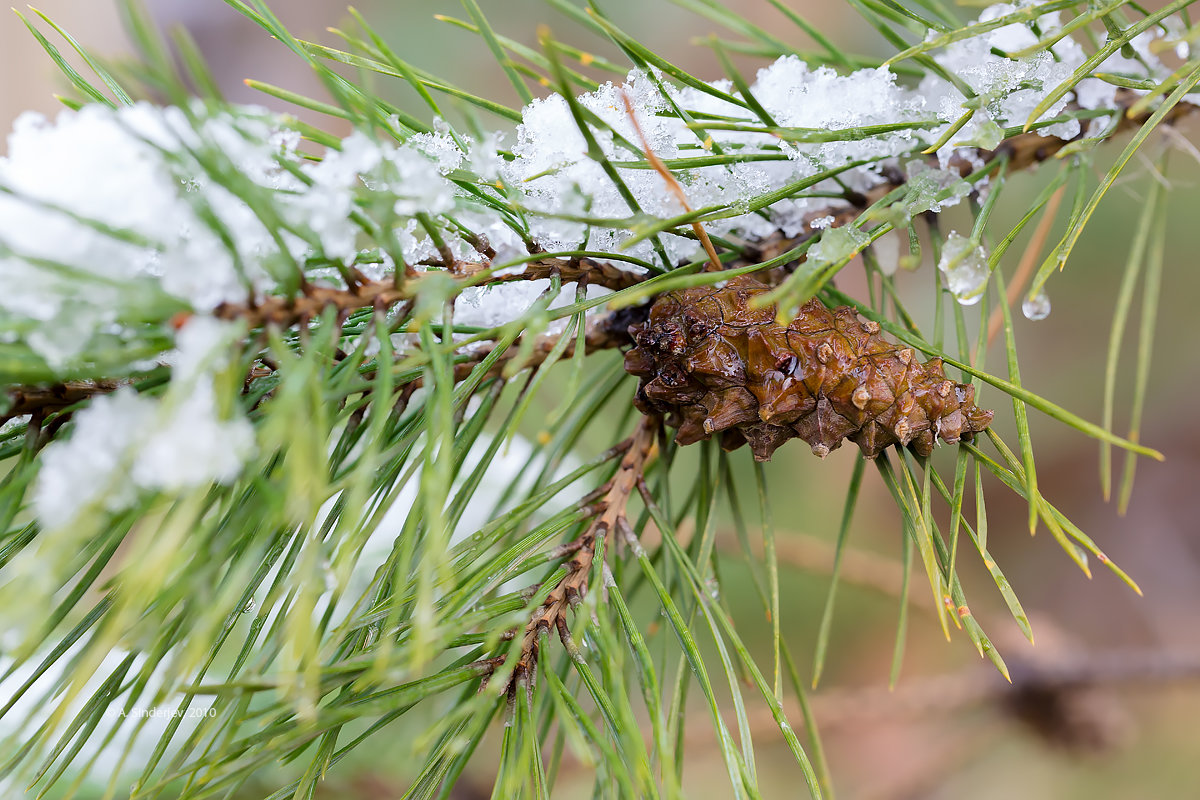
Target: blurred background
pixel 951 728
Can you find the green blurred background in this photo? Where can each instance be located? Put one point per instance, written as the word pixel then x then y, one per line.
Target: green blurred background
pixel 903 744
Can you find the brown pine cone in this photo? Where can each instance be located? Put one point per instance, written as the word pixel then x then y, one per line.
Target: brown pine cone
pixel 714 365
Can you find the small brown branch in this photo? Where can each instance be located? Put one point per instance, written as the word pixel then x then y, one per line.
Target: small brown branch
pixel 46 400
pixel 605 333
pixel 315 300
pixel 570 270
pixel 285 312
pixel 714 261
pixel 552 614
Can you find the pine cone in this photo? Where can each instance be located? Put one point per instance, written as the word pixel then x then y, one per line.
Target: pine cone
pixel 714 365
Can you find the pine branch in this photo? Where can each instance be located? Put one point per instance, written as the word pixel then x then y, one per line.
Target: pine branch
pixel 303 484
pixel 1022 151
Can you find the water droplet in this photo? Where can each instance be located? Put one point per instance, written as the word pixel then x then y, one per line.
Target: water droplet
pixel 964 264
pixel 249 607
pixel 1036 307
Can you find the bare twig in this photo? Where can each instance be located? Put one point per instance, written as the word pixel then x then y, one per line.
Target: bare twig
pixel 714 261
pixel 46 400
pixel 552 613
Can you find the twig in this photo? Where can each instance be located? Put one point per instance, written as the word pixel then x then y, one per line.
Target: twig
pixel 604 333
pixel 24 400
pixel 569 593
pixel 714 261
pixel 315 300
pixel 607 332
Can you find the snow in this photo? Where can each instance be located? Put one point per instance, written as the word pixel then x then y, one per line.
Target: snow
pixel 125 442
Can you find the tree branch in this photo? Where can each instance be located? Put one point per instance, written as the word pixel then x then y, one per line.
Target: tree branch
pixel 1023 151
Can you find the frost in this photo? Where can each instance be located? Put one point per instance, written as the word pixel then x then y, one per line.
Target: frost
pixel 484 157
pixel 417 183
pixel 81 470
pixel 1036 307
pixel 964 264
pixel 1008 89
pixel 71 183
pixel 491 306
pixel 825 100
pixel 325 209
pixel 441 148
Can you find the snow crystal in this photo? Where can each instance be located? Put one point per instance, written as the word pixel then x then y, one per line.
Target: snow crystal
pixel 71 182
pixel 83 470
pixel 441 148
pixel 555 176
pixel 484 158
pixel 417 182
pixel 928 188
pixel 491 306
pixel 1008 89
pixel 821 99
